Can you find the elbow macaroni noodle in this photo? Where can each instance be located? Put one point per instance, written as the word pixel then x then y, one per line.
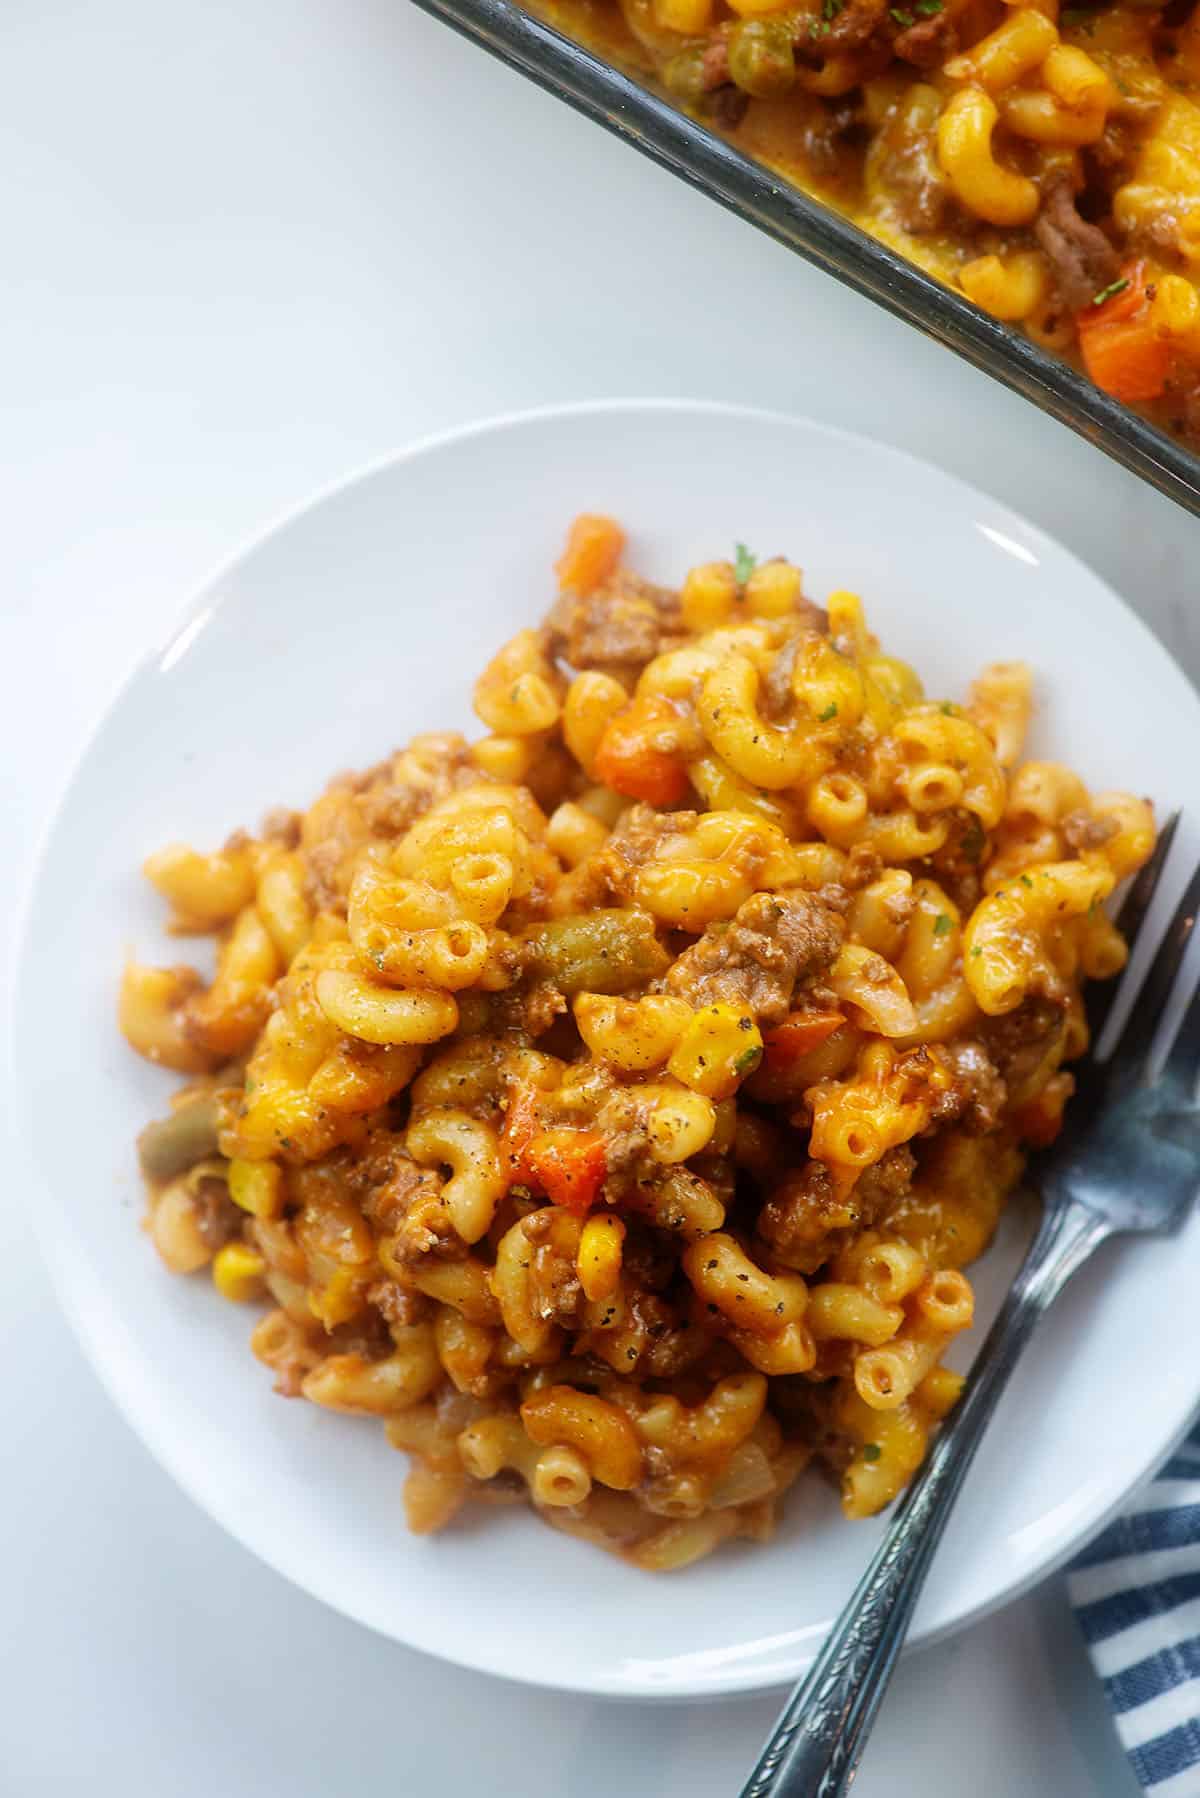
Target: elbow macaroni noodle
pixel 465 1092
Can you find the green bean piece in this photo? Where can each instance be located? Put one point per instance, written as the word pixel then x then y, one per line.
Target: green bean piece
pixel 684 73
pixel 596 952
pixel 761 60
pixel 171 1145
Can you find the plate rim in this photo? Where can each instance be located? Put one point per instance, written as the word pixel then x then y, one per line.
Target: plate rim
pixel 50 1225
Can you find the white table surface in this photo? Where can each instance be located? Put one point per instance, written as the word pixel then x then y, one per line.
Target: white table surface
pixel 245 246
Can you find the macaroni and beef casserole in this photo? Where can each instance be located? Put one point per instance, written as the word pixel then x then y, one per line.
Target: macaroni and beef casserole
pixel 612 1104
pixel 1044 161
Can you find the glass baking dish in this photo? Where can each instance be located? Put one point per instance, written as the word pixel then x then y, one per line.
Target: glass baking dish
pixel 822 236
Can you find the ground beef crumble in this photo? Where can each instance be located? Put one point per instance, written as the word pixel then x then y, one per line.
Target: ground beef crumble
pixel 1082 831
pixel 803 1219
pixel 775 941
pixel 977 1094
pixel 409 1207
pixel 1024 1043
pixel 620 627
pixel 218 1219
pixel 1083 260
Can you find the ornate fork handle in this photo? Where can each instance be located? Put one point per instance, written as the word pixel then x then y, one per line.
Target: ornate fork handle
pixel 815 1746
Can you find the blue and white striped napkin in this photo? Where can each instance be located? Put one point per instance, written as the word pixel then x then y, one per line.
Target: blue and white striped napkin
pixel 1136 1593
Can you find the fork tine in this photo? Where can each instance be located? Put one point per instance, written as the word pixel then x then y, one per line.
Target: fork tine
pixel 1182 1066
pixel 1130 1053
pixel 1138 900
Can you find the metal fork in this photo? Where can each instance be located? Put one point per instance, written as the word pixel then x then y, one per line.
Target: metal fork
pixel 1128 1159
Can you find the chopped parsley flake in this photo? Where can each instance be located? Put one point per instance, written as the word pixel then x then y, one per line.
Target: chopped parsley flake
pixel 942 923
pixel 744 564
pixel 746 1061
pixel 947 709
pixel 1109 292
pixel 977 950
pixel 928 9
pixel 973 842
pixel 829 712
pixel 1025 881
pixel 901 16
pixel 872 1451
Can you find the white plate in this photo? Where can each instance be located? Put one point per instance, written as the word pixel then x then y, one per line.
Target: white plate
pixel 365 617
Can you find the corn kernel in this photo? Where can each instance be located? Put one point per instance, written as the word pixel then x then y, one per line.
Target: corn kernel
pixel 257 1186
pixel 720 1046
pixel 237 1272
pixel 338 1300
pixel 598 1260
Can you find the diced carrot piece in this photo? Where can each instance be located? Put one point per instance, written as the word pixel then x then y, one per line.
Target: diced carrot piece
pixel 569 1166
pixel 521 1125
pixel 1127 359
pixel 799 1033
pixel 594 546
pixel 1121 351
pixel 1127 303
pixel 628 760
